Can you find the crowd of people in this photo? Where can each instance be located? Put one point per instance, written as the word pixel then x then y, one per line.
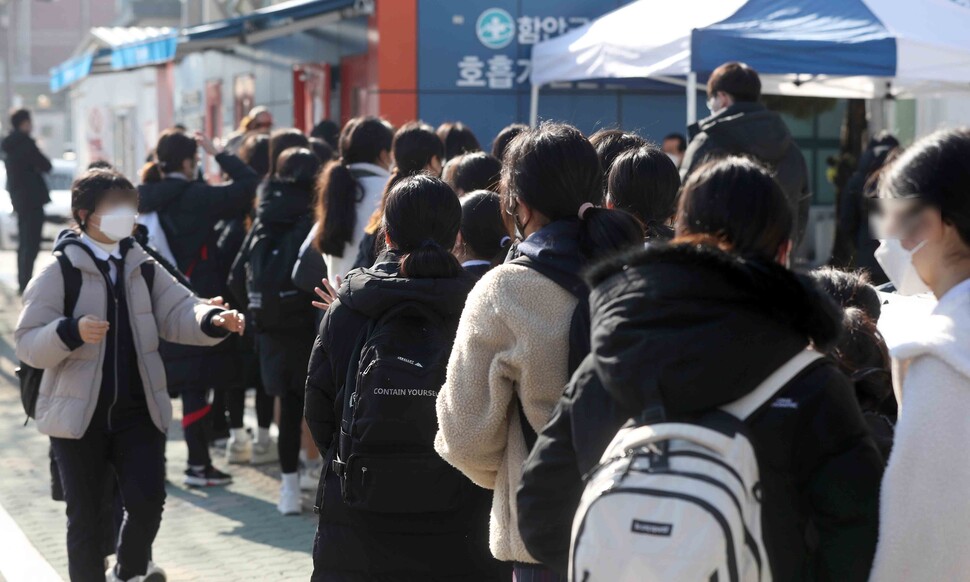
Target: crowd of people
pixel 452 339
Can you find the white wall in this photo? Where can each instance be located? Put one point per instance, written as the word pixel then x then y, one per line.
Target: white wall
pixel 115 118
pixel 934 113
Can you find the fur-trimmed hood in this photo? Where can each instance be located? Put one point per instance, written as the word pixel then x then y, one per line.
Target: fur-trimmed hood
pixel 698 327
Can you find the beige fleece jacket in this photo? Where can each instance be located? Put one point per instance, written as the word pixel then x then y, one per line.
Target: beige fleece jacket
pixel 512 340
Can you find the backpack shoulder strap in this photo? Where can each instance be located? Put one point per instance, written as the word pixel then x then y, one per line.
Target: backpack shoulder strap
pixel 72 282
pixel 745 407
pixel 148 274
pixel 569 281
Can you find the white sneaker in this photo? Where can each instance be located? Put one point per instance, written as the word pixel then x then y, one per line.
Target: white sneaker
pixel 291 500
pixel 239 451
pixel 152 574
pixel 310 475
pixel 265 452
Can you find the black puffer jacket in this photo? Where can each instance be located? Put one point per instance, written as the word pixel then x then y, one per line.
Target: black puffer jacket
pixel 410 546
pixel 750 129
pixel 693 329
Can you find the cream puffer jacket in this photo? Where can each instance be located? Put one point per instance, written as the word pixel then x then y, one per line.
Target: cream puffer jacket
pixel 72 378
pixel 512 346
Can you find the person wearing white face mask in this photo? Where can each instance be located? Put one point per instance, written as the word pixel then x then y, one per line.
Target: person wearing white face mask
pixel 92 321
pixel 925 511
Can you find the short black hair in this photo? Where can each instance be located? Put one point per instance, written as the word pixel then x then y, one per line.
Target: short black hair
pixel 18 117
pixel 738 80
pixel 90 188
pixel 681 141
pixel 505 137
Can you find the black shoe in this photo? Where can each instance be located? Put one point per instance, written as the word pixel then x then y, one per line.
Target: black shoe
pixel 208 477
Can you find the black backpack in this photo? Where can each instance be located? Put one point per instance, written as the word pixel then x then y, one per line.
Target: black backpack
pixel 30 377
pixel 579 327
pixel 272 296
pixel 385 455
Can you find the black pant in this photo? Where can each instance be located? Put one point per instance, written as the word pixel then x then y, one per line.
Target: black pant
pixel 196 422
pixel 137 453
pixel 236 403
pixel 30 223
pixel 283 360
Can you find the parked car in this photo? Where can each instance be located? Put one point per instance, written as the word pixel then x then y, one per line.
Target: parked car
pixel 57 212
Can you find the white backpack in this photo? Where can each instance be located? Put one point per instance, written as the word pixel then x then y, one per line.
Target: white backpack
pixel 679 502
pixel 156 235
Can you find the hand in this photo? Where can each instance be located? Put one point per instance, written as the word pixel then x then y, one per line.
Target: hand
pixel 218 302
pixel 233 321
pixel 327 295
pixel 92 329
pixel 206 144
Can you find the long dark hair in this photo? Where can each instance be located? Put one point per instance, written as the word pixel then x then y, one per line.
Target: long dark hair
pixel 171 151
pixel 555 170
pixel 483 229
pixel 505 137
pixel 282 140
pixel 363 140
pixel 736 201
pixel 644 182
pixel 610 143
pixel 298 166
pixel 415 145
pixel 422 218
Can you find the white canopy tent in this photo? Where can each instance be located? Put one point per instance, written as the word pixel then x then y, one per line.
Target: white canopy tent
pixel 821 48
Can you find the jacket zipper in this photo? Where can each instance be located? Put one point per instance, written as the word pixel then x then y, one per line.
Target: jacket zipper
pixel 111 289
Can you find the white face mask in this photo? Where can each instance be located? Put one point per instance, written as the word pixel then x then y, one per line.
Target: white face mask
pixel 117 223
pixel 897 262
pixel 713 106
pixel 675 159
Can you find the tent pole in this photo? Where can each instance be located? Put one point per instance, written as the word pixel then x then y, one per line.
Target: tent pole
pixel 534 106
pixel 691 98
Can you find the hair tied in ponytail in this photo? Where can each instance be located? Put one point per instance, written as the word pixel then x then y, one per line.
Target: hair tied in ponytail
pixel 505 240
pixel 429 244
pixel 582 209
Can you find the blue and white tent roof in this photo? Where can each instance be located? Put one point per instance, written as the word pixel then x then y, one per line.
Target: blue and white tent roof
pixel 837 48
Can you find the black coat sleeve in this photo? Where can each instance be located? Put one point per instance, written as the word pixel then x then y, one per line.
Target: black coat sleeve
pixel 327 371
pixel 838 471
pixel 36 159
pixel 227 201
pixel 584 422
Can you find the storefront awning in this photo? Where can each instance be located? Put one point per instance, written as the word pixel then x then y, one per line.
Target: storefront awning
pixel 71 71
pixel 276 20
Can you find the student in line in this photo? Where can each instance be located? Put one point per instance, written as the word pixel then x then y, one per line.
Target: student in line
pixel 103 396
pixel 484 240
pixel 390 508
pixel 189 210
pixel 926 245
pixel 689 327
pixel 511 354
pixel 644 182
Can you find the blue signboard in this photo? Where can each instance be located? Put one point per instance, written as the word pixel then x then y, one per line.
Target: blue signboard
pixel 150 52
pixel 474 64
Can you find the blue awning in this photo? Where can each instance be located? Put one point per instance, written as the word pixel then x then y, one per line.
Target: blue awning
pixel 71 71
pixel 266 19
pixel 149 52
pixel 815 37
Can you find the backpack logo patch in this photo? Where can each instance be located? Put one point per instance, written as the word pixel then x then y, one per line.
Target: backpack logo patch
pixel 652 528
pixel 785 403
pixel 408 361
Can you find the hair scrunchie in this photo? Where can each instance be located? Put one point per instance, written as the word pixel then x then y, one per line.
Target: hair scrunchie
pixel 582 209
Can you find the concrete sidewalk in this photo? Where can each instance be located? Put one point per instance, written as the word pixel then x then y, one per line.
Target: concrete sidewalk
pixel 230 534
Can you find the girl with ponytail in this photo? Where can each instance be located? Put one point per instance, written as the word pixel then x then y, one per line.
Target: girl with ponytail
pixel 421 221
pixel 511 357
pixel 349 190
